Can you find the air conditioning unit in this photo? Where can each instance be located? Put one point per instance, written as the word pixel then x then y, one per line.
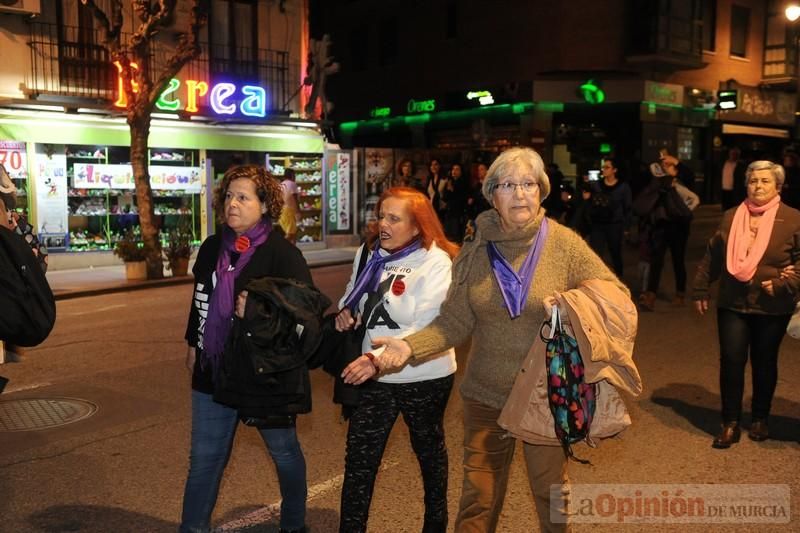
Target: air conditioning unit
pixel 22 7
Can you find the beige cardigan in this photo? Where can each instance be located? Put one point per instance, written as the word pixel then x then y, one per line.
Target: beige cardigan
pixel 604 322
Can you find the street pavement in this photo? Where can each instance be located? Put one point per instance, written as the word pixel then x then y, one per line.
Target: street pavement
pixel 122 469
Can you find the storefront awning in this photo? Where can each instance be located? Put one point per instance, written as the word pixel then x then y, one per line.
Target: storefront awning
pixel 64 128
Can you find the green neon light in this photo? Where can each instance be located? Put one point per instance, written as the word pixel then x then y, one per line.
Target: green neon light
pixel 592 93
pixel 169 105
pixel 483 97
pixel 380 112
pixel 348 128
pixel 660 104
pixel 421 106
pixel 417 119
pixel 605 148
pixel 553 107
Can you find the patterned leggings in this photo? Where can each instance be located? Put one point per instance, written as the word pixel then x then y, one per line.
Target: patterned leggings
pixel 422 405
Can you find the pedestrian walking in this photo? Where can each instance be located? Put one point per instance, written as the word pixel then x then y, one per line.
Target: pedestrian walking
pixel 249 202
pixel 500 282
pixel 455 197
pixel 610 210
pixel 755 255
pixel 398 292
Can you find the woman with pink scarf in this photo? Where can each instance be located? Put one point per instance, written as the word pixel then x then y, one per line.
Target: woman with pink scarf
pixel 755 254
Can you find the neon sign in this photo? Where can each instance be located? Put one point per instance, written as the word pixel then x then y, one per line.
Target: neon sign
pixel 224 98
pixel 592 93
pixel 380 112
pixel 422 106
pixel 484 97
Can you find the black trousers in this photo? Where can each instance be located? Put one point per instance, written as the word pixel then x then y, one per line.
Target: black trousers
pixel 610 235
pixel 673 236
pixel 422 405
pixel 759 336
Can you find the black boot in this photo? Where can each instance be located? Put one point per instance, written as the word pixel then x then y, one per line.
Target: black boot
pixel 731 433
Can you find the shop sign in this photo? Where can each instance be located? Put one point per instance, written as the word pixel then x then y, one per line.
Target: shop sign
pixel 763 107
pixel 591 92
pixel 224 98
pixel 91 176
pixel 51 198
pixel 421 106
pixel 483 97
pixel 380 112
pixel 14 158
pixel 338 187
pixel 663 93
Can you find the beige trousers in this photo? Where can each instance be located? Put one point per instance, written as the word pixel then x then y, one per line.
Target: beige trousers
pixel 488 452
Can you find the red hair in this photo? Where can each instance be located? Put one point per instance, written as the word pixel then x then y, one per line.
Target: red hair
pixel 424 218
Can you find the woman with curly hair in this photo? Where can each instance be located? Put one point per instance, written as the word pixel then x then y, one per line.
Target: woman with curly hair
pixel 247 201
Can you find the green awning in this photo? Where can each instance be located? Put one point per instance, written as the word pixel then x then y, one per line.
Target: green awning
pixel 63 128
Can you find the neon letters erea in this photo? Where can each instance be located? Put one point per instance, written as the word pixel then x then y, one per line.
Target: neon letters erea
pixel 222 97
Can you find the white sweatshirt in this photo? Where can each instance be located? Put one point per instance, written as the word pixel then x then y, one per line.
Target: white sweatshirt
pixel 411 291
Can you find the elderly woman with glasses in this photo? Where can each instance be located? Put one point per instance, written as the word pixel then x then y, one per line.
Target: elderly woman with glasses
pixel 503 285
pixel 755 255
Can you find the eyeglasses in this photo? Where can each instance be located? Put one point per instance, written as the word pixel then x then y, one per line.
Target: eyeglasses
pixel 508 188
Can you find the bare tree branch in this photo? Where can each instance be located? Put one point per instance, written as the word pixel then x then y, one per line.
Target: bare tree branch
pixel 152 20
pixel 188 49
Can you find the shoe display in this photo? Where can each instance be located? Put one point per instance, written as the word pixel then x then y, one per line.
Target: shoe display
pixel 758 430
pixel 731 433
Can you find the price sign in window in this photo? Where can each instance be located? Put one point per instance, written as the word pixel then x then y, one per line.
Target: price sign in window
pixel 14 159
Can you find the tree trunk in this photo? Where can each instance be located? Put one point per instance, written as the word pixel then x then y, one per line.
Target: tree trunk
pixel 140 132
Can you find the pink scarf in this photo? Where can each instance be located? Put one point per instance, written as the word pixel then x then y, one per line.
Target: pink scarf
pixel 740 264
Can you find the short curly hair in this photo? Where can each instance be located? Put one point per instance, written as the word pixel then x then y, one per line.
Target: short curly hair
pixel 268 190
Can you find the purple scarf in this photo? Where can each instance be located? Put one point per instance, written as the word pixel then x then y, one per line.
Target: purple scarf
pixel 220 307
pixel 515 286
pixel 370 276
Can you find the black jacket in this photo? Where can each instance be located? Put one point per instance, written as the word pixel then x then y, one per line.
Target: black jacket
pixel 265 366
pixel 27 303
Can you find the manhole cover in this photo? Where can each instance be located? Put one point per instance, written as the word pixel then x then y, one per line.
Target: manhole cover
pixel 35 413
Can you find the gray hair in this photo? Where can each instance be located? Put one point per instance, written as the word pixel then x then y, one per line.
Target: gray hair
pixel 519 159
pixel 777 172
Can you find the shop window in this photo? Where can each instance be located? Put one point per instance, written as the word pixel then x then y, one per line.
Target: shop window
pixel 709 13
pixel 308 176
pixel 101 199
pixel 740 28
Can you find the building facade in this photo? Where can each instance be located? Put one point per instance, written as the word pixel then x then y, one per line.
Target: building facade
pixel 65 141
pixel 461 80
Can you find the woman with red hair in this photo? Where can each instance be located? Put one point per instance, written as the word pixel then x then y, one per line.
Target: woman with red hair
pixel 397 292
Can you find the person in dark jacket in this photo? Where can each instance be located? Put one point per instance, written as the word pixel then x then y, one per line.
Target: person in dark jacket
pixel 754 254
pixel 249 201
pixel 610 209
pixel 455 198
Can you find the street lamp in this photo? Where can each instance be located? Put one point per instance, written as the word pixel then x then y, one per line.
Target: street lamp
pixel 792 12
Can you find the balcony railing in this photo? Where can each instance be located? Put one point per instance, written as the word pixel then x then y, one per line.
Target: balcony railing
pixel 71 62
